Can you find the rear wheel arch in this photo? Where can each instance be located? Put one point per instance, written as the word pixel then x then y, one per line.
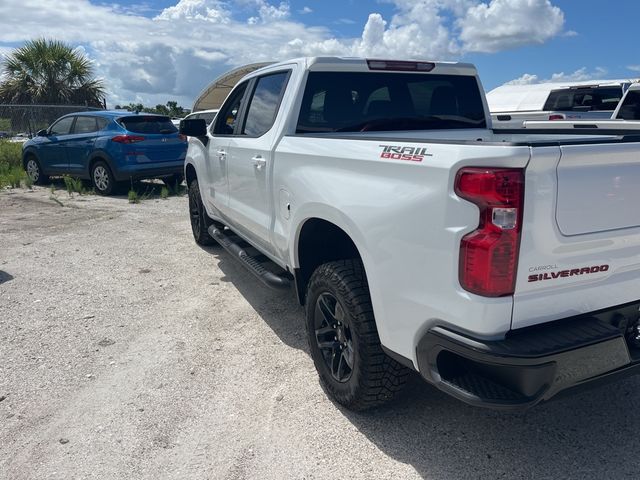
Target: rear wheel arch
pixel 99 157
pixel 320 241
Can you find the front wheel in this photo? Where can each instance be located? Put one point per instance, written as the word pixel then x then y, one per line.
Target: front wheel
pixel 343 339
pixel 32 166
pixel 200 221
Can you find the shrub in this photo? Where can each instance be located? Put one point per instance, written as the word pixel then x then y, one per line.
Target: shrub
pixel 133 197
pixel 11 171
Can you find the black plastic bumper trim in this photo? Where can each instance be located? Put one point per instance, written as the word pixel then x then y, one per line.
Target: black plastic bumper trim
pixel 527 367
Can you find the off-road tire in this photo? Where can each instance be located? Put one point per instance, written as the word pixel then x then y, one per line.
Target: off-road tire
pixel 375 377
pixel 34 170
pixel 200 221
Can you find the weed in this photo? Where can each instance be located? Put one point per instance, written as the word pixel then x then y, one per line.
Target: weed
pixel 55 199
pixel 177 189
pixel 52 188
pixel 164 193
pixel 73 185
pixel 133 197
pixel 28 183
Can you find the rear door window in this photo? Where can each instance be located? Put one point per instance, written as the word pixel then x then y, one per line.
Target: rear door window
pixel 102 123
pixel 264 104
pixel 148 124
pixel 62 126
pixel 85 125
pixel 377 101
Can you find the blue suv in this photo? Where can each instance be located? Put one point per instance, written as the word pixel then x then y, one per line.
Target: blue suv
pixel 107 147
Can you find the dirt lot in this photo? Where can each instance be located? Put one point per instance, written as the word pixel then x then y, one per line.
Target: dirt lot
pixel 128 352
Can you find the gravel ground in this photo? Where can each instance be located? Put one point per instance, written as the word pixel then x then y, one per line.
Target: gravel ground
pixel 128 352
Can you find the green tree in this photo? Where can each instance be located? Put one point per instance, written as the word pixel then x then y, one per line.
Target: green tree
pixel 171 109
pixel 50 72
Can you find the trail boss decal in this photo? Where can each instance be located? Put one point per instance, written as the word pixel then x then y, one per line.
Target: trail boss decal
pixel 411 154
pixel 568 273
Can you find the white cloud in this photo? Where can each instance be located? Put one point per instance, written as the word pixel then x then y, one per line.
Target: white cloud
pixel 502 24
pixel 633 68
pixel 305 11
pixel 582 74
pixel 209 10
pixel 185 46
pixel 526 79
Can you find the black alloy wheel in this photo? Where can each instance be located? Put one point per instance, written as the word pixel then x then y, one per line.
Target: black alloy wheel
pixel 333 337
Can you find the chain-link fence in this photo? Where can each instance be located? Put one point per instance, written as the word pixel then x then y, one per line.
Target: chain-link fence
pixel 24 121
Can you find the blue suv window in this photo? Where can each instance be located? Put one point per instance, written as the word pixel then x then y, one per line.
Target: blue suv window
pixel 85 125
pixel 62 126
pixel 148 124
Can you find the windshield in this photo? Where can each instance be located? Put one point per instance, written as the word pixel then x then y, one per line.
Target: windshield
pixel 383 101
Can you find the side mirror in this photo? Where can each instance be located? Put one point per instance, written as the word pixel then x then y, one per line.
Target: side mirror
pixel 193 127
pixel 42 133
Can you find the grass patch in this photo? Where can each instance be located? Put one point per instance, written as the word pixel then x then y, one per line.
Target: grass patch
pixel 164 193
pixel 74 185
pixel 11 171
pixel 133 197
pixel 10 153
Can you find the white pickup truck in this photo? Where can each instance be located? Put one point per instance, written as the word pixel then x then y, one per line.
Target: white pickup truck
pixel 510 105
pixel 625 117
pixel 502 267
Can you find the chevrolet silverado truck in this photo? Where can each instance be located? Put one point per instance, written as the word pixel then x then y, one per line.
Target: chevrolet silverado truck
pixel 503 267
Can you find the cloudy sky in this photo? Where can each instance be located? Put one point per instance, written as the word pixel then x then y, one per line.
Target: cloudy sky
pixel 151 51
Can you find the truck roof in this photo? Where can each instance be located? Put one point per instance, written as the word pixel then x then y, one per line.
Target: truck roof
pixel 361 64
pixel 509 98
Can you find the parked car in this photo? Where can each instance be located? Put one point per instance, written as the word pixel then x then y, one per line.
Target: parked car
pixel 107 147
pixel 503 267
pixel 207 115
pixel 510 105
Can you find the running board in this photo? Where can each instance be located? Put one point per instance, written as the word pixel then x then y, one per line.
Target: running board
pixel 256 264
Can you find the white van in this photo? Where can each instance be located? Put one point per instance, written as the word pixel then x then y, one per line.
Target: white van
pixel 510 105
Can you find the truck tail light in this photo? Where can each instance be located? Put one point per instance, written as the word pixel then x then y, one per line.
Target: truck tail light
pixel 489 254
pixel 400 65
pixel 556 116
pixel 127 138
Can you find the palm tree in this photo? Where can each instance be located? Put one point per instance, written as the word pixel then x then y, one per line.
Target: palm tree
pixel 49 72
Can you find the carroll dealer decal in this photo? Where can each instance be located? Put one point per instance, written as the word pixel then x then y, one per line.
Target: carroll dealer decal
pixel 567 273
pixel 411 154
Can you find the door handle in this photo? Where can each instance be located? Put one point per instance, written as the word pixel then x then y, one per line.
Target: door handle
pixel 259 162
pixel 222 155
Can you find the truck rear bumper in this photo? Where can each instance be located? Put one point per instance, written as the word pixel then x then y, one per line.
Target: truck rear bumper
pixel 529 366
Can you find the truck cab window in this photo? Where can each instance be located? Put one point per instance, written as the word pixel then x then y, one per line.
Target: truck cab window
pixel 264 104
pixel 356 101
pixel 226 120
